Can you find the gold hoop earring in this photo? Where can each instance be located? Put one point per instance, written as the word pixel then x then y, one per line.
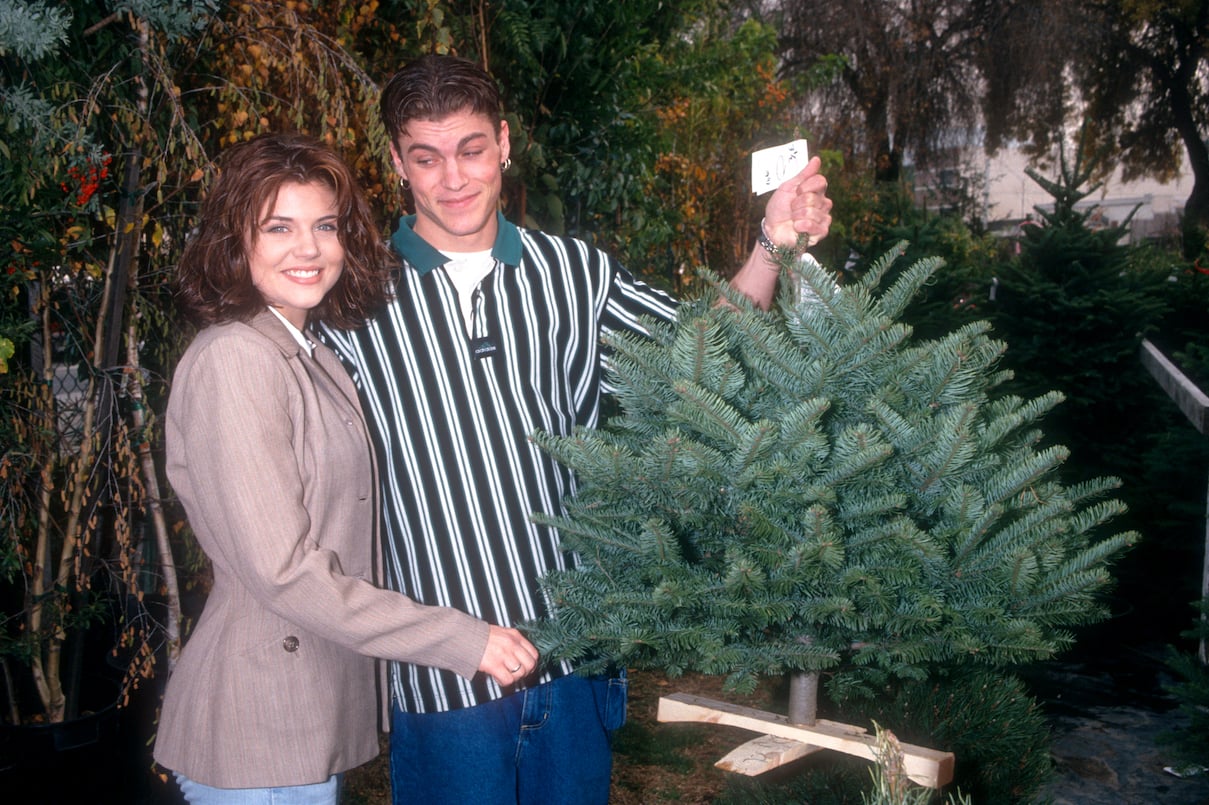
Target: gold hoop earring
pixel 506 164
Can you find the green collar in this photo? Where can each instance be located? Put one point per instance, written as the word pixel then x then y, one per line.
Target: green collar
pixel 424 258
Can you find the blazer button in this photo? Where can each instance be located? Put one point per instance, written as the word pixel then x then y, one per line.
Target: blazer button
pixel 290 644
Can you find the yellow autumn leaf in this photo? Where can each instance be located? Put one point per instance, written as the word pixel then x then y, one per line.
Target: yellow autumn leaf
pixel 6 351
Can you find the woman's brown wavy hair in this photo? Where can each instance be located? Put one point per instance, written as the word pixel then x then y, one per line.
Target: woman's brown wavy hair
pixel 214 280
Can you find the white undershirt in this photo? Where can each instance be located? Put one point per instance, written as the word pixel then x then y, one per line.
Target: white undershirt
pixel 466 270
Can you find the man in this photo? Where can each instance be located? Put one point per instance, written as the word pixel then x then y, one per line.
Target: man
pixel 495 333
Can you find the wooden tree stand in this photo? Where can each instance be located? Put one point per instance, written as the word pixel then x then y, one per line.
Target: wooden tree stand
pixel 782 741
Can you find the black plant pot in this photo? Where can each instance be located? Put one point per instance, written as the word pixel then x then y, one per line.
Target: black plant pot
pixel 103 756
pixel 72 761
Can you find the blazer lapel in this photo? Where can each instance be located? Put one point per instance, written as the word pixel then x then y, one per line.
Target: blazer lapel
pixel 267 324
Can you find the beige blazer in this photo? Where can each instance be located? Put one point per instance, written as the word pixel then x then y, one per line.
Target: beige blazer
pixel 268 451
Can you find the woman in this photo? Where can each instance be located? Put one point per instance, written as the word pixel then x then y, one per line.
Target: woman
pixel 276 690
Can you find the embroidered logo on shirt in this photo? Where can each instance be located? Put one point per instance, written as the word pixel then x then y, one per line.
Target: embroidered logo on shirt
pixel 483 347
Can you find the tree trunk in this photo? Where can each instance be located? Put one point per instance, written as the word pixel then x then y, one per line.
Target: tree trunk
pixel 1196 208
pixel 804 698
pixel 1177 78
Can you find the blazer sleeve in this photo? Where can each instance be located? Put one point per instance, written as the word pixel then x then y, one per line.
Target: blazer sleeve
pixel 235 418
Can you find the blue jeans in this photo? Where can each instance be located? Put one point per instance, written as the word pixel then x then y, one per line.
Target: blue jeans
pixel 547 745
pixel 325 793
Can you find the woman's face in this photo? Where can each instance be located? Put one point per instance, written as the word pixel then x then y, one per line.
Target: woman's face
pixel 295 255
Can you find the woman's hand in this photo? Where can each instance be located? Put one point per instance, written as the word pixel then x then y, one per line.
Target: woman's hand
pixel 509 656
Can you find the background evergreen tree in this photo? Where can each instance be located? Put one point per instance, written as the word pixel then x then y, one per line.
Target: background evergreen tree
pixel 814 489
pixel 953 297
pixel 1191 689
pixel 1073 309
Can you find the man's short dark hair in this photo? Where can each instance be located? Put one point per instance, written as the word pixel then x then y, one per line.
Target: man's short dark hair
pixel 434 87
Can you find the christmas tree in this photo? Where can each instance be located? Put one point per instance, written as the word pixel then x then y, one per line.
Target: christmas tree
pixel 1074 306
pixel 812 488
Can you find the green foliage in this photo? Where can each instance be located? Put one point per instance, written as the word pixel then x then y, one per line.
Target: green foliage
pixel 576 79
pixel 987 719
pixel 94 137
pixel 1172 460
pixel 708 99
pixel 176 19
pixel 1191 690
pixel 302 67
pixel 1181 334
pixel 814 489
pixel 955 296
pixel 711 97
pixel 30 29
pixel 890 783
pixel 632 123
pixel 571 71
pixel 1074 310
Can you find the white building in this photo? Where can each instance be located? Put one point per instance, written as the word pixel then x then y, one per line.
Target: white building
pixel 1010 196
pixel 999 192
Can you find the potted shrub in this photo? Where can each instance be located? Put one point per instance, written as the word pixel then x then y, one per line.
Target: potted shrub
pixel 102 163
pixel 87 586
pixel 73 496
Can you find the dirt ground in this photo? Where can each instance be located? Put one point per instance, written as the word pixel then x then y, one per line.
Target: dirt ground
pixel 652 762
pixel 655 762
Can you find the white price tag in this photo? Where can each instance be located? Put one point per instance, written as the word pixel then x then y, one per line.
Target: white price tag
pixel 772 167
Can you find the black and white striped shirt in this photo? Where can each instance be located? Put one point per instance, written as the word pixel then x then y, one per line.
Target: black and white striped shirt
pixel 451 412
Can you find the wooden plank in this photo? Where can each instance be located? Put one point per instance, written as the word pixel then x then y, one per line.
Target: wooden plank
pixel 1190 399
pixel 765 753
pixel 1195 405
pixel 927 767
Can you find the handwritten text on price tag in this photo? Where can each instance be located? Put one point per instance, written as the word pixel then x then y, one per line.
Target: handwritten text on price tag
pixel 772 167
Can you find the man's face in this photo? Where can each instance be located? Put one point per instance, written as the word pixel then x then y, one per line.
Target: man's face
pixel 453 165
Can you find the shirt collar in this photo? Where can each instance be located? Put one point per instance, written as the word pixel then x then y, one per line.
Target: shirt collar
pixel 424 258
